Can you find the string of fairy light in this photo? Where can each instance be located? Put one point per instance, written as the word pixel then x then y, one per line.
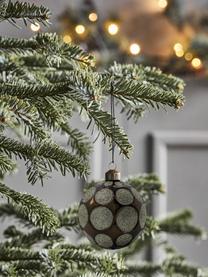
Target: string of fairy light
pixel 180 52
pixel 112 28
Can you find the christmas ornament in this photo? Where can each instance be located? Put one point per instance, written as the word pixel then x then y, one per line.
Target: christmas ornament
pixel 112 213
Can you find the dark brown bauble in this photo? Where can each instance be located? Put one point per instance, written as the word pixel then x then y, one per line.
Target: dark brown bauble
pixel 112 214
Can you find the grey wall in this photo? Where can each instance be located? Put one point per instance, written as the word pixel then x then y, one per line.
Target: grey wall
pixel 188 187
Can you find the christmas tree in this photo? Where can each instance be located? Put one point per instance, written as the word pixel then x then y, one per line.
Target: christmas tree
pixel 43 82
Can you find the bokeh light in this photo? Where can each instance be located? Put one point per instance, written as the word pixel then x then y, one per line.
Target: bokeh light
pixel 80 29
pixel 162 4
pixel 196 63
pixel 188 56
pixel 134 49
pixel 113 29
pixel 67 38
pixel 35 27
pixel 178 48
pixel 93 17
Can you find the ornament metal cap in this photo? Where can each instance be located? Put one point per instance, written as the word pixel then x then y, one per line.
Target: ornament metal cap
pixel 112 175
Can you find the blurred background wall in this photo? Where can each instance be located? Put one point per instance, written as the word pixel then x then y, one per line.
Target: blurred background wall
pixel 184 166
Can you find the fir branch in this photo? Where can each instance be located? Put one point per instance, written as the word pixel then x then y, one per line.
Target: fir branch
pixel 43 158
pixel 37 212
pixel 146 93
pixel 76 92
pixel 132 110
pixel 16 238
pixel 23 268
pixel 79 85
pixel 178 223
pixel 17 112
pixel 78 141
pixel 69 218
pixel 145 85
pixel 18 10
pixel 3 7
pixel 152 75
pixel 84 259
pixel 182 229
pixel 7 210
pixel 168 82
pixel 50 45
pixel 59 259
pixel 55 116
pixel 6 165
pixel 103 123
pixel 31 91
pixel 8 254
pixel 177 264
pixel 54 113
pixel 143 269
pixel 170 267
pixel 180 267
pixel 181 217
pixel 146 184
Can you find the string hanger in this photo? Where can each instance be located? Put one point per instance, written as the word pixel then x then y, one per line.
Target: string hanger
pixel 113 129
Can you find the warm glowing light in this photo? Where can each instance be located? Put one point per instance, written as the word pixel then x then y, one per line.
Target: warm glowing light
pixel 134 49
pixel 162 4
pixel 67 38
pixel 188 56
pixel 178 48
pixel 196 63
pixel 93 17
pixel 80 29
pixel 35 27
pixel 179 53
pixel 113 29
